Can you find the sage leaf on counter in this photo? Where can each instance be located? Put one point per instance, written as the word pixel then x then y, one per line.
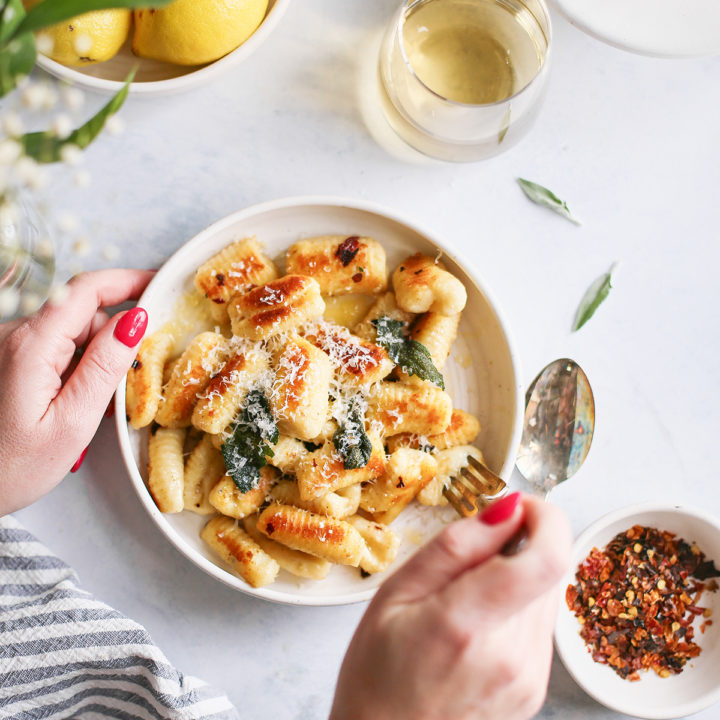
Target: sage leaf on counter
pixel 411 356
pixel 594 297
pixel 542 196
pixel 47 148
pixel 351 440
pixel 246 451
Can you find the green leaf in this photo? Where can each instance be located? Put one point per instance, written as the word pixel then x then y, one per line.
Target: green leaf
pixel 390 334
pixel 416 360
pixel 351 440
pixel 17 59
pixel 542 196
pixel 593 298
pixel 241 462
pixel 47 148
pixel 246 450
pixel 258 416
pixel 11 16
pixel 51 12
pixel 411 356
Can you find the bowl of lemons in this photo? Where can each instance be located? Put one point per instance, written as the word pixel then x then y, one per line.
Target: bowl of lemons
pixel 172 49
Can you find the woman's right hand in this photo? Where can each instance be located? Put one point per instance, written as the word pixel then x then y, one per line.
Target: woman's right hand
pixel 461 631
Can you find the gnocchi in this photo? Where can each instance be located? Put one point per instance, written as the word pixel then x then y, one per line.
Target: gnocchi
pixel 301 439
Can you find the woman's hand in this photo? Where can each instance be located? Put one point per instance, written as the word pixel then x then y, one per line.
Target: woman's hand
pixel 461 631
pixel 49 414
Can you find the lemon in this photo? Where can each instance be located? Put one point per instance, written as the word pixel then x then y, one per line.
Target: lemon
pixel 194 32
pixel 89 38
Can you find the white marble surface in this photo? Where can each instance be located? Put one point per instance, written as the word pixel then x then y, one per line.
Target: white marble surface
pixel 631 143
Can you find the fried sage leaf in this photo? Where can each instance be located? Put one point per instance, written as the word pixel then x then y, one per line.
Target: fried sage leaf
pixel 411 356
pixel 542 196
pixel 594 296
pixel 351 440
pixel 247 449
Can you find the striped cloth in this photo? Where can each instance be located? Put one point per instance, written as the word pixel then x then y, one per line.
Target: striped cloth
pixel 64 654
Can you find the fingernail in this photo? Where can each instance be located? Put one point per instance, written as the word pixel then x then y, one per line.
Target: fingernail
pixel 131 327
pixel 500 510
pixel 79 461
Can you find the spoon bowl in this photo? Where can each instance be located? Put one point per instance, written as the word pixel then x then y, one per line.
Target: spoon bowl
pixel 558 426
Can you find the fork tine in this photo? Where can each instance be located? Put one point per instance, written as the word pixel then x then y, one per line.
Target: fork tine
pixel 476 484
pixel 494 482
pixel 470 490
pixel 462 502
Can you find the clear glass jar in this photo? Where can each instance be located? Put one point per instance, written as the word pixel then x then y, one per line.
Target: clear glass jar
pixel 27 258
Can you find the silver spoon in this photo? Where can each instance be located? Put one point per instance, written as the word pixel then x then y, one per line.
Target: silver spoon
pixel 557 431
pixel 558 427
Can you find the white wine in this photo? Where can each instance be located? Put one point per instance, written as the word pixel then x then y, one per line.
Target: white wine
pixel 473 51
pixel 463 79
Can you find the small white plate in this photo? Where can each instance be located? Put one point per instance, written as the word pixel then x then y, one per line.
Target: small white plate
pixel 482 374
pixel 662 28
pixel 154 78
pixel 652 697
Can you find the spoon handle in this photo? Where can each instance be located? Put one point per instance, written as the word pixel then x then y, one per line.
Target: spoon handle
pixel 516 543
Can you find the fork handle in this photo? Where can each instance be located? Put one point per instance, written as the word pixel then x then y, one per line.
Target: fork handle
pixel 516 543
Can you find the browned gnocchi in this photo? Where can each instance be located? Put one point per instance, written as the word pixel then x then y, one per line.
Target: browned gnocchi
pixel 302 438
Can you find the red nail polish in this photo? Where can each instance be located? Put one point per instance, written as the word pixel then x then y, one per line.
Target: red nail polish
pixel 500 510
pixel 79 461
pixel 131 327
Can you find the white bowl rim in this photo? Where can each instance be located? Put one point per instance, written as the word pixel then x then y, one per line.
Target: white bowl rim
pixel 181 82
pixel 622 513
pixel 267 593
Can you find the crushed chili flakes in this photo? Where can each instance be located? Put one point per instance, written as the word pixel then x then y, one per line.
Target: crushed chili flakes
pixel 637 600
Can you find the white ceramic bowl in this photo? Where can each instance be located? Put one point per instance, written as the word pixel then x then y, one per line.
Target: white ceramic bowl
pixel 660 28
pixel 482 374
pixel 154 78
pixel 652 697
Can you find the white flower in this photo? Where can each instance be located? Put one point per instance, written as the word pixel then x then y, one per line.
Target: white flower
pixel 10 151
pixel 71 154
pixel 62 125
pixel 44 248
pixel 44 43
pixel 82 178
pixel 29 173
pixel 58 294
pixel 73 97
pixel 9 302
pixel 50 98
pixel 29 303
pixel 115 125
pixel 83 45
pixel 111 252
pixel 8 218
pixel 12 124
pixel 33 96
pixel 81 246
pixel 66 222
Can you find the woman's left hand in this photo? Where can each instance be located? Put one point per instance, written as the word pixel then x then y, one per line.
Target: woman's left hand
pixel 49 410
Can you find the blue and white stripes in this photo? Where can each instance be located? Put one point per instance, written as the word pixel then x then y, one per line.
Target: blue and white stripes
pixel 64 654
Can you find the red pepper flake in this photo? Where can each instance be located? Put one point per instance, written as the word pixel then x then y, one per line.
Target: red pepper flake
pixel 348 249
pixel 637 600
